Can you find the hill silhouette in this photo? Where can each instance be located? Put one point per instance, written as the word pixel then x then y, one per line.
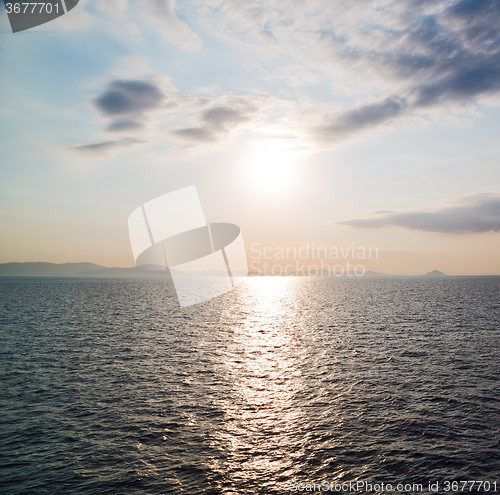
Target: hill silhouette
pixel 41 269
pixel 436 273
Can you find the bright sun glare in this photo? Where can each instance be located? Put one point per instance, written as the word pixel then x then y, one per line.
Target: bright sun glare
pixel 271 169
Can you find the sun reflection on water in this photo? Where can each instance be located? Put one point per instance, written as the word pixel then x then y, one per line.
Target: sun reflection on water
pixel 263 421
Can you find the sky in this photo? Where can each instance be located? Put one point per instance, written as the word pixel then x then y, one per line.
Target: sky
pixel 305 122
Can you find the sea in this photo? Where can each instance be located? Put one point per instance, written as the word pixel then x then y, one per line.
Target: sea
pixel 284 385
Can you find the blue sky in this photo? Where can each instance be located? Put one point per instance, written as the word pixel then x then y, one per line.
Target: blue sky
pixel 370 122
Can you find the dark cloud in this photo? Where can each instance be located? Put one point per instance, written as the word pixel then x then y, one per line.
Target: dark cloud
pixel 106 147
pixel 127 102
pixel 129 98
pixel 124 125
pixel 471 65
pixel 220 118
pixel 451 55
pixel 479 213
pixel 216 123
pixel 464 85
pixel 476 11
pixel 345 125
pixel 480 21
pixel 195 134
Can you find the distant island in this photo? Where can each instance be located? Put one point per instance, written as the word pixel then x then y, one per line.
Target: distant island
pixel 436 273
pixel 40 269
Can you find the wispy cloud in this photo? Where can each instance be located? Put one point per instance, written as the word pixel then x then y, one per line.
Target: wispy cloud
pixel 216 124
pixel 352 122
pixel 105 148
pixel 157 16
pixel 474 214
pixel 160 15
pixel 120 125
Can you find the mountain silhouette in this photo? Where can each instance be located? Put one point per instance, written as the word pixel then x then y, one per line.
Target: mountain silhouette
pixel 435 273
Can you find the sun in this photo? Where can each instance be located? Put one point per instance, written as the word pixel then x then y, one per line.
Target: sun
pixel 271 169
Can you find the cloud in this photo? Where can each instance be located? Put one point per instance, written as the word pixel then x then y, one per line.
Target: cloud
pixel 160 15
pixel 429 54
pixel 216 124
pixel 105 148
pixel 352 122
pixel 424 57
pixel 346 68
pixel 141 106
pixel 243 22
pixel 474 214
pixel 137 20
pixel 124 125
pixel 462 58
pixel 128 102
pixel 198 134
pixel 133 106
pixel 222 118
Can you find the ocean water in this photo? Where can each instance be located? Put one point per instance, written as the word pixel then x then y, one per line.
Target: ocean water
pixel 108 387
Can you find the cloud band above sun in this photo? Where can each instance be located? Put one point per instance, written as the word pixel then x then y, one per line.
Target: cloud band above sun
pixel 399 62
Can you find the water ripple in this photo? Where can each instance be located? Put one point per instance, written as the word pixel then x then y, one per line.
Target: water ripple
pixel 109 387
